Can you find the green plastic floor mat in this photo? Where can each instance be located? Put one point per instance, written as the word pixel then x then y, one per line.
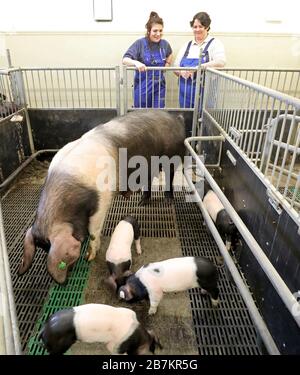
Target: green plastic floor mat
pixel 62 297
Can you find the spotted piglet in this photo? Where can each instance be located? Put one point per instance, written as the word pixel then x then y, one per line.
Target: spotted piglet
pixel 117 327
pixel 171 275
pixel 221 218
pixel 118 254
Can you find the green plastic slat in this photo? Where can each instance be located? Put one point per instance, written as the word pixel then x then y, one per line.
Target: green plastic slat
pixel 62 297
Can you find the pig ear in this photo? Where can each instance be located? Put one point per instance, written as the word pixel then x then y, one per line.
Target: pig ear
pixel 28 252
pixel 64 252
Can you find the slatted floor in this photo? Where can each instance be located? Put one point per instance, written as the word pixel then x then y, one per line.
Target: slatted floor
pixel 227 330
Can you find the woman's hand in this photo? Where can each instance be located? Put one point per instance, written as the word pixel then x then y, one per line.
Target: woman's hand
pixel 140 66
pixel 186 74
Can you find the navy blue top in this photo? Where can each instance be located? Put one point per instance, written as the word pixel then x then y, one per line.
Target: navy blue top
pixel 136 50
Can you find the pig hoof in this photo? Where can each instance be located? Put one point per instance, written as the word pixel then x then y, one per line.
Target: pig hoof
pixel 152 311
pixel 90 255
pixel 203 291
pixel 215 302
pixel 144 201
pixel 169 195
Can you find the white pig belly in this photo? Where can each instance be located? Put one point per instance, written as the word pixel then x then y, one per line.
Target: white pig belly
pixel 119 249
pixel 174 275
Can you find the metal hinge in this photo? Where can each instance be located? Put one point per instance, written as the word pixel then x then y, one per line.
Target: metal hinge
pixel 231 157
pixel 274 201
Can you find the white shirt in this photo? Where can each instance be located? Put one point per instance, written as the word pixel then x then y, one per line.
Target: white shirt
pixel 216 52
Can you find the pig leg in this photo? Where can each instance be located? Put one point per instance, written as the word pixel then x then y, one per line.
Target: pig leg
pixel 169 174
pixel 214 295
pixel 147 191
pixel 96 224
pixel 138 246
pixel 155 297
pixel 28 253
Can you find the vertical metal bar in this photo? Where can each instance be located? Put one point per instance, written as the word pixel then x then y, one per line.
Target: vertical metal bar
pixel 294 123
pixel 91 89
pixel 268 142
pixel 257 130
pixel 110 89
pixel 118 90
pixel 46 86
pixel 34 89
pixel 71 87
pixel 84 87
pixel 58 88
pixel 275 121
pixel 197 113
pixel 24 100
pixel 227 101
pixel 285 147
pixel 259 77
pixel 97 88
pixel 265 80
pixel 153 86
pixel 236 112
pixel 103 89
pixel 125 88
pixel 278 80
pixel 272 79
pixel 245 116
pixel 78 88
pixel 65 84
pixel 40 88
pixel 224 84
pixel 252 129
pixel 53 88
pixel 27 89
pixel 284 89
pixel 279 144
pixel 8 56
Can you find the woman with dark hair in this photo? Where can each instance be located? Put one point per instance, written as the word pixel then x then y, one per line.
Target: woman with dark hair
pixel 152 51
pixel 213 55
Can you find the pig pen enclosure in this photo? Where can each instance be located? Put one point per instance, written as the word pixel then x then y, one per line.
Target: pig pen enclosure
pixel 245 141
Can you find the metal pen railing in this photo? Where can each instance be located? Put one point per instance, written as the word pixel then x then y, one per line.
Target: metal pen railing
pixel 72 88
pixel 263 126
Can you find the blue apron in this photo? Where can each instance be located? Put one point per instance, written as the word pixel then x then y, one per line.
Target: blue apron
pixel 187 87
pixel 150 86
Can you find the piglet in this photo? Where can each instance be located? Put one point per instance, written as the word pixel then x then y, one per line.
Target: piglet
pixel 117 327
pixel 171 275
pixel 118 254
pixel 221 218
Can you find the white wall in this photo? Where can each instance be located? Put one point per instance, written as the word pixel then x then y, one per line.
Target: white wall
pixel 131 15
pixel 64 33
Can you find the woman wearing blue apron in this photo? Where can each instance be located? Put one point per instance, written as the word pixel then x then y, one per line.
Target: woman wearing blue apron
pixel 213 55
pixel 152 50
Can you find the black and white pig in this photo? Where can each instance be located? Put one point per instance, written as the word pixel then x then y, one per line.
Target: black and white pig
pixel 83 178
pixel 117 327
pixel 118 255
pixel 221 218
pixel 171 275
